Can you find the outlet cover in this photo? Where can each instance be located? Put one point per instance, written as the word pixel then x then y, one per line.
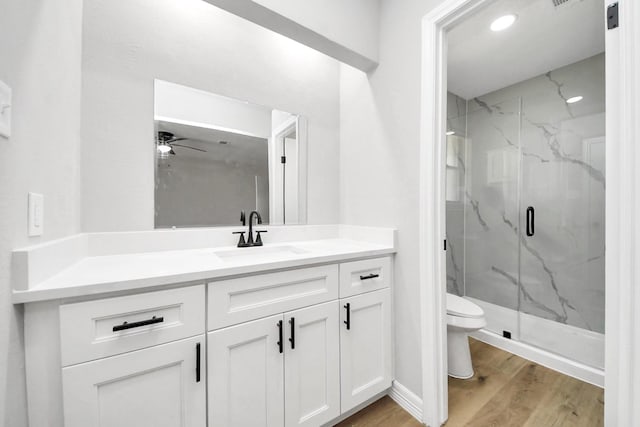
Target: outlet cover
pixel 36 214
pixel 5 110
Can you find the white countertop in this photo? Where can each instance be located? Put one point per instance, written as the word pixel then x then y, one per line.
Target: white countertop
pixel 93 275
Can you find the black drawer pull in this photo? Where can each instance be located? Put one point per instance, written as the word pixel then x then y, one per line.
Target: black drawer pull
pixel 347 322
pixel 280 344
pixel 369 276
pixel 127 325
pixel 198 362
pixel 292 340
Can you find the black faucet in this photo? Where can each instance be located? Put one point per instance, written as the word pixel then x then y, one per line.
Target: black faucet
pixel 250 242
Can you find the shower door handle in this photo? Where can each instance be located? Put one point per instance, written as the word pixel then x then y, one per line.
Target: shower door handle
pixel 531 221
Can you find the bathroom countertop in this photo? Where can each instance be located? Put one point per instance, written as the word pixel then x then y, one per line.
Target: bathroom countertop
pixel 104 274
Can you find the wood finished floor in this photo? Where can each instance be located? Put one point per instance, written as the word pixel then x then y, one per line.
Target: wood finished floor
pixel 506 391
pixel 382 413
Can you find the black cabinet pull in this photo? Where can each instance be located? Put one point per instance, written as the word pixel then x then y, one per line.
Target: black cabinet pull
pixel 292 340
pixel 127 325
pixel 280 344
pixel 531 221
pixel 369 276
pixel 198 362
pixel 347 322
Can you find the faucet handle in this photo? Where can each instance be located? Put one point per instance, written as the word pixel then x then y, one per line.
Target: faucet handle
pixel 241 242
pixel 243 218
pixel 258 238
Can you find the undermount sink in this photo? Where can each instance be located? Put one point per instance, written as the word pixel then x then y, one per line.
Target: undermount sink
pixel 258 252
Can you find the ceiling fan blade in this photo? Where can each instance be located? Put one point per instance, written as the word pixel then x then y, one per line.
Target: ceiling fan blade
pixel 173 153
pixel 172 140
pixel 190 148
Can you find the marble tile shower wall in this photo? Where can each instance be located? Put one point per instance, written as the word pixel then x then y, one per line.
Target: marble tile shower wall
pixel 456 149
pixel 526 146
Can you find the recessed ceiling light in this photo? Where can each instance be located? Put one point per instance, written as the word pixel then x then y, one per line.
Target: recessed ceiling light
pixel 503 22
pixel 450 132
pixel 574 99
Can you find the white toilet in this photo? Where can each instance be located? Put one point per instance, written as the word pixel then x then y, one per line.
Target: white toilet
pixel 463 317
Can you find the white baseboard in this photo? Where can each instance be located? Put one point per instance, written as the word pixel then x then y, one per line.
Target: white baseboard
pixel 550 360
pixel 407 399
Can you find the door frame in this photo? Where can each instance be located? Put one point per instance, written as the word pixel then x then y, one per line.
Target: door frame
pixel 622 341
pixel 300 124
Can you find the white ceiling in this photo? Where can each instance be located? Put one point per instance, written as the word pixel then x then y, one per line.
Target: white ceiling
pixel 543 38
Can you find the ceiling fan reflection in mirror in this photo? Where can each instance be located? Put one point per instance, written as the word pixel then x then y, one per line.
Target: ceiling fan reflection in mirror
pixel 167 140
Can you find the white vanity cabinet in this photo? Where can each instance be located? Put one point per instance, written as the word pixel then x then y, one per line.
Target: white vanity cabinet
pixel 282 370
pixel 161 386
pixel 365 347
pixel 135 361
pixel 312 365
pixel 247 298
pixel 305 366
pixel 246 374
pixel 294 347
pixel 357 277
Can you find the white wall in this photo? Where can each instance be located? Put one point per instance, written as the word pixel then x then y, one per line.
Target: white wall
pixel 40 58
pixel 128 43
pixel 380 119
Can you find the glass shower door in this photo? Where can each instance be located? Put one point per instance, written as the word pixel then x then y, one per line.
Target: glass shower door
pixel 491 210
pixel 562 212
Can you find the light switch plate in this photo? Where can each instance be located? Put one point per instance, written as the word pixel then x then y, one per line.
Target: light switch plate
pixel 36 214
pixel 5 110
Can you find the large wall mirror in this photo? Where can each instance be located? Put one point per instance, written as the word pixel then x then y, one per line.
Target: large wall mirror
pixel 168 137
pixel 216 157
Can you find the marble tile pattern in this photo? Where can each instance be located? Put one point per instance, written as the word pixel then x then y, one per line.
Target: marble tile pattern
pixel 456 122
pixel 526 146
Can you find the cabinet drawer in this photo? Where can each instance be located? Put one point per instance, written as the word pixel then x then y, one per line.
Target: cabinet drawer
pixel 95 329
pixel 247 298
pixel 363 276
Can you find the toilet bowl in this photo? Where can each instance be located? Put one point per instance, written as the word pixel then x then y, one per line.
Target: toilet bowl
pixel 463 317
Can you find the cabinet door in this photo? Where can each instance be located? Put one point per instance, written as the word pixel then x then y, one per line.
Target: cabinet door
pixel 365 347
pixel 312 369
pixel 154 387
pixel 246 374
